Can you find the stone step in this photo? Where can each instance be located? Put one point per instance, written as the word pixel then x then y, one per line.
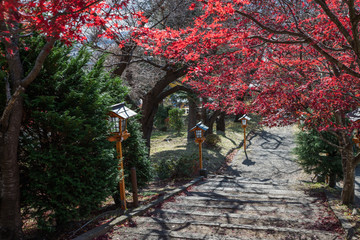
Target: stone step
pixel 252 196
pixel 233 218
pixel 247 179
pixel 242 185
pixel 244 182
pixel 228 229
pixel 246 189
pixel 129 233
pixel 239 201
pixel 310 212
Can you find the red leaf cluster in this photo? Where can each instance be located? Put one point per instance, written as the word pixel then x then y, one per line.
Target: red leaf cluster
pixel 282 59
pixel 67 20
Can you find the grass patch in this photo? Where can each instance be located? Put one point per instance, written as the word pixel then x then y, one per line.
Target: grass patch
pixel 172 152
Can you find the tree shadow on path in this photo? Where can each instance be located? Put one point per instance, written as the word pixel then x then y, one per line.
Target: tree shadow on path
pixel 247 161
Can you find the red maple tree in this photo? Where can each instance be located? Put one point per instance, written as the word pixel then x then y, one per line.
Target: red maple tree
pixel 284 59
pixel 66 20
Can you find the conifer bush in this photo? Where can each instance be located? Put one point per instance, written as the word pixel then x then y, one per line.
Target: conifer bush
pixel 317 156
pixel 161 115
pixel 135 154
pixel 175 119
pixel 67 164
pixel 212 140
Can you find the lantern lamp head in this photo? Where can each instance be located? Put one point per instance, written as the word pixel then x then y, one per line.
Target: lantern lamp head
pixel 354 116
pixel 199 130
pixel 118 118
pixel 244 120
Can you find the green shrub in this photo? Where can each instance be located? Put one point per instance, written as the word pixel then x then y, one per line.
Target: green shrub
pixel 135 154
pixel 164 169
pixel 183 167
pixel 186 167
pixel 212 140
pixel 318 157
pixel 175 119
pixel 160 118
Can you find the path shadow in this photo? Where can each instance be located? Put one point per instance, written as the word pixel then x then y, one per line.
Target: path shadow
pixel 264 147
pixel 247 161
pixel 272 141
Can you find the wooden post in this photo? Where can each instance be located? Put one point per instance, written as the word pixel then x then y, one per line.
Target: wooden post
pixel 122 177
pixel 200 155
pixel 244 138
pixel 134 187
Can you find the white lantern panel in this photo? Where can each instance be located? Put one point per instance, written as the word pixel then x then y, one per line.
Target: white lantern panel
pixel 123 125
pixel 114 121
pixel 243 122
pixel 198 133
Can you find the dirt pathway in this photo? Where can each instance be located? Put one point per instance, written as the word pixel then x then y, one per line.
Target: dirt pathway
pixel 268 156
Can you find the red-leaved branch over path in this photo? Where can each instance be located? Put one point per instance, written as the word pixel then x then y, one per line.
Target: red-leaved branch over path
pixel 284 59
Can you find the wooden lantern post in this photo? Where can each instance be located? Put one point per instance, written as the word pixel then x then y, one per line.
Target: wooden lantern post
pixel 199 130
pixel 243 121
pixel 118 118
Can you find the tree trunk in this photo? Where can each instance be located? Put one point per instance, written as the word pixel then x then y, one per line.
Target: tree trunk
pixel 348 165
pixel 147 122
pixel 220 122
pixel 10 124
pixel 10 218
pixel 332 180
pixel 191 117
pixel 154 97
pixel 209 120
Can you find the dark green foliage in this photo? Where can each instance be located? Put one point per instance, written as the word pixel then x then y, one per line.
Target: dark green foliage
pixel 135 154
pixel 67 165
pixel 185 166
pixel 161 115
pixel 212 140
pixel 316 156
pixel 175 119
pixel 164 169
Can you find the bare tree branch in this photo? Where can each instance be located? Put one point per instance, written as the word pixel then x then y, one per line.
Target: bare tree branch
pixel 328 142
pixel 38 63
pixel 173 90
pixel 269 29
pixel 278 41
pixel 335 20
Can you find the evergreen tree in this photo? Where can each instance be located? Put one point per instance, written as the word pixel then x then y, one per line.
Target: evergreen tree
pixel 318 157
pixel 175 119
pixel 67 165
pixel 135 154
pixel 160 118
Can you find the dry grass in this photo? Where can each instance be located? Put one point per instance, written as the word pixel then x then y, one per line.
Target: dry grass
pixel 172 146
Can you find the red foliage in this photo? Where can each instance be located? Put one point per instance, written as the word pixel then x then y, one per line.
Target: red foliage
pixel 283 59
pixel 63 19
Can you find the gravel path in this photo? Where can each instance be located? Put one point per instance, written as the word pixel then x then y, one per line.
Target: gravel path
pixel 268 156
